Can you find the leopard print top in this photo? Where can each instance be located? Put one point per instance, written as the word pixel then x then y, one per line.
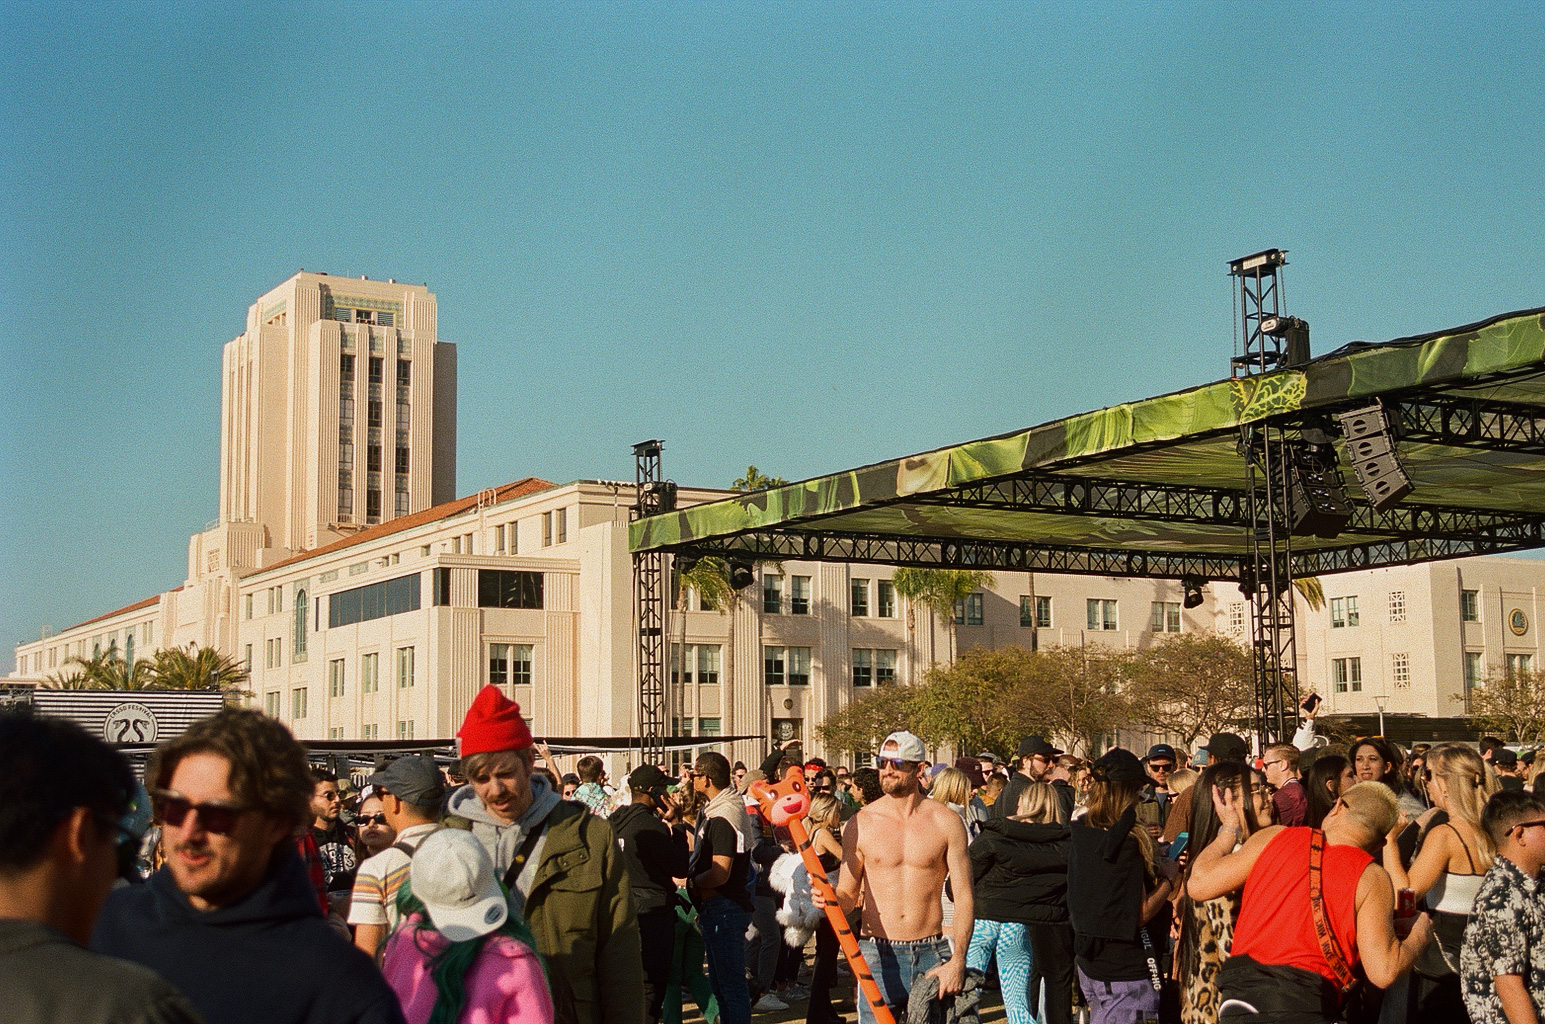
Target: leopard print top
pixel 1214 924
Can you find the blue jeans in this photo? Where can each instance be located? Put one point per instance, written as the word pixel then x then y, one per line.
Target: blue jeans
pixel 1010 943
pixel 895 965
pixel 724 925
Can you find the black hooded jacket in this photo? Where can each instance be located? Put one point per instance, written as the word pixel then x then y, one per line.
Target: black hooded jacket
pixel 653 854
pixel 1020 872
pixel 269 958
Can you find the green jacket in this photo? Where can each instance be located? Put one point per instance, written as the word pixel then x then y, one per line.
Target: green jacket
pixel 580 910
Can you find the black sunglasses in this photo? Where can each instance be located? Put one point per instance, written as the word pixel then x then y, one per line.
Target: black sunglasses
pixel 370 819
pixel 216 818
pixel 896 763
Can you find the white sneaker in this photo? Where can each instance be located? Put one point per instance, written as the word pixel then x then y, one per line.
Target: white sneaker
pixel 769 1002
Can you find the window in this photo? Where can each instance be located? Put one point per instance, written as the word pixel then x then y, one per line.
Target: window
pixel 271 703
pixel 1166 617
pixel 859 604
pixel 498 664
pixel 1026 611
pixel 1397 606
pixel 706 603
pixel 886 599
pixel 561 525
pixel 1236 618
pixel 1343 612
pixel 1470 605
pixel 302 604
pixel 547 529
pixel 1519 664
pixel 799 595
pixel 799 666
pixel 884 667
pixel 681 664
pixel 508 588
pixel 1102 613
pixel 335 678
pixel 520 664
pixel 708 664
pixel 1043 612
pixel 1475 671
pixel 1400 670
pixel 442 586
pixel 772 595
pixel 405 730
pixel 370 732
pixel 298 703
pixel 863 667
pixel 1347 674
pixel 370 673
pixel 246 606
pixel 968 610
pixel 786 666
pixel 404 668
pixel 374 601
pixel 708 727
pixel 247 660
pixel 273 653
pixel 509 664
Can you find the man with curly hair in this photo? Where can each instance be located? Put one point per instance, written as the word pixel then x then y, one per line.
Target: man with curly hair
pixel 231 919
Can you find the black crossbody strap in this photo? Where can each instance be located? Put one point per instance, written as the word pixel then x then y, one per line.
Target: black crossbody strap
pixel 522 855
pixel 1329 947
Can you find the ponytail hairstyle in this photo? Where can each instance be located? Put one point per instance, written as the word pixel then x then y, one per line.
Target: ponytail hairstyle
pixel 1469 787
pixel 449 967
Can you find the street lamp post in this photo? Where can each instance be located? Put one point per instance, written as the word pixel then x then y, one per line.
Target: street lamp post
pixel 1381 700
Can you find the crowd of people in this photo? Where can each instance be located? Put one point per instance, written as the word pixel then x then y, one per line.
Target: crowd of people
pixel 1305 882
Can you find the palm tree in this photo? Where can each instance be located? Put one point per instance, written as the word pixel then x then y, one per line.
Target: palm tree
pixel 198 668
pixel 940 589
pixel 756 480
pixel 105 670
pixel 710 577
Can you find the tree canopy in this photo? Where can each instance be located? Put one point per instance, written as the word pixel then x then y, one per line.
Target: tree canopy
pixel 171 668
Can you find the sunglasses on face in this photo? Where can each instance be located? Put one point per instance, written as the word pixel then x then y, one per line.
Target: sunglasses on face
pixel 895 763
pixel 216 818
pixel 373 819
pixel 1160 767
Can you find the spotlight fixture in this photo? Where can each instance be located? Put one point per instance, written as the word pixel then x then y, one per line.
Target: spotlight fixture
pixel 742 575
pixel 1294 334
pixel 1192 587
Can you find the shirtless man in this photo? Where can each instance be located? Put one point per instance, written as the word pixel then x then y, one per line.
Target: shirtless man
pixel 896 854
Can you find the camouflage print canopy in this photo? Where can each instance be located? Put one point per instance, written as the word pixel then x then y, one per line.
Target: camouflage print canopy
pixel 1160 487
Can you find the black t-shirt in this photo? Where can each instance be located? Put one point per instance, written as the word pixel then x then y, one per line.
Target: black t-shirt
pixel 337 854
pixel 717 837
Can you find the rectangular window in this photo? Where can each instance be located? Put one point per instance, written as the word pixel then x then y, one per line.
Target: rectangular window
pixel 1475 671
pixel 1166 617
pixel 405 730
pixel 884 667
pixel 508 588
pixel 335 678
pixel 404 367
pixel 298 703
pixel 706 603
pixel 859 604
pixel 708 726
pixel 404 668
pixel 1470 605
pixel 374 601
pixel 774 672
pixel 271 703
pixel 1101 613
pixel 561 525
pixel 1347 674
pixel 498 664
pixel 370 732
pixel 885 598
pixel 499 540
pixel 681 665
pixel 1236 618
pixel 248 659
pixel 799 595
pixel 772 595
pixel 370 673
pixel 246 606
pixel 708 664
pixel 1043 612
pixel 1397 606
pixel 863 667
pixel 1519 664
pixel 547 529
pixel 968 610
pixel 1026 611
pixel 799 666
pixel 442 586
pixel 1400 670
pixel 1343 612
pixel 521 660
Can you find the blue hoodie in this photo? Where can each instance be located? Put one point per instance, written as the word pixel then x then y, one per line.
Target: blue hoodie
pixel 269 958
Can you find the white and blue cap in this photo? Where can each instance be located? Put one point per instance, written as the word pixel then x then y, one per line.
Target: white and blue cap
pixel 908 747
pixel 453 876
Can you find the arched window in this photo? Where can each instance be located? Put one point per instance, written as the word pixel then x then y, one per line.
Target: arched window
pixel 301 610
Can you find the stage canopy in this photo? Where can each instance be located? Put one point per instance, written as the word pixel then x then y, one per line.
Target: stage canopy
pixel 1158 488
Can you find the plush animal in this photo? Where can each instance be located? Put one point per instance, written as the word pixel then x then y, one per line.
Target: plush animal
pixel 797 913
pixel 787 803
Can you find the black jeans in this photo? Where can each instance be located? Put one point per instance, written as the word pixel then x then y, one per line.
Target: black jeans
pixel 824 975
pixel 657 935
pixel 1051 946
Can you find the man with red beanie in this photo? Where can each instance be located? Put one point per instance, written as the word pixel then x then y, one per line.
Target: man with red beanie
pixel 561 864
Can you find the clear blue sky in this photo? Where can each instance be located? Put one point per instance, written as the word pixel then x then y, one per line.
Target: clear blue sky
pixel 807 237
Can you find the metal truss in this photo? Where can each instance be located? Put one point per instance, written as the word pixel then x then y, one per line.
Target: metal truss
pixel 938 553
pixel 651 497
pixel 1472 423
pixel 1327 561
pixel 1081 496
pixel 1431 522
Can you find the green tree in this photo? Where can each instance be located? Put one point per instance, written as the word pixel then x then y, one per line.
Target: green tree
pixel 105 670
pixel 1190 684
pixel 756 480
pixel 940 590
pixel 1074 693
pixel 710 578
pixel 1511 705
pixel 862 722
pixel 972 704
pixel 198 668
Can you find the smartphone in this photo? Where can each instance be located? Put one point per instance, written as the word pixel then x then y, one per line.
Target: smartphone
pixel 1178 846
pixel 1310 703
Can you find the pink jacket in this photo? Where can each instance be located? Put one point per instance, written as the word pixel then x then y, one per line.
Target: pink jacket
pixel 505 985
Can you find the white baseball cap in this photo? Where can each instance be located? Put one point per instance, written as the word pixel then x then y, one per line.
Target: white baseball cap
pixel 908 747
pixel 453 876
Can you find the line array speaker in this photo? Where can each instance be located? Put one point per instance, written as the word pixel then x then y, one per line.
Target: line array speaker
pixel 1371 448
pixel 1309 480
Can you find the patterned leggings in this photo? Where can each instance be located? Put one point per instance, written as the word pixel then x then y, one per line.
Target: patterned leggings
pixel 1010 943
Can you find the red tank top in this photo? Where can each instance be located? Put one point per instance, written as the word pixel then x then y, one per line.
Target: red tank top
pixel 1276 924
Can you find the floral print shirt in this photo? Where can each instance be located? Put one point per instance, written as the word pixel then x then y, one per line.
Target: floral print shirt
pixel 1506 935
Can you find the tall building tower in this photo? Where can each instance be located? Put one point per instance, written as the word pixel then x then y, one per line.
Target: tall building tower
pixel 338 412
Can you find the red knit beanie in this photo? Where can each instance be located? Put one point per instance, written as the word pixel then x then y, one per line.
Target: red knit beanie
pixel 493 724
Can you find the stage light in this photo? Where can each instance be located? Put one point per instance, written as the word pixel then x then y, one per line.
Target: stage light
pixel 1294 334
pixel 742 574
pixel 1192 586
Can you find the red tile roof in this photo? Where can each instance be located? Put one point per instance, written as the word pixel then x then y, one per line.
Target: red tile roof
pixel 136 606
